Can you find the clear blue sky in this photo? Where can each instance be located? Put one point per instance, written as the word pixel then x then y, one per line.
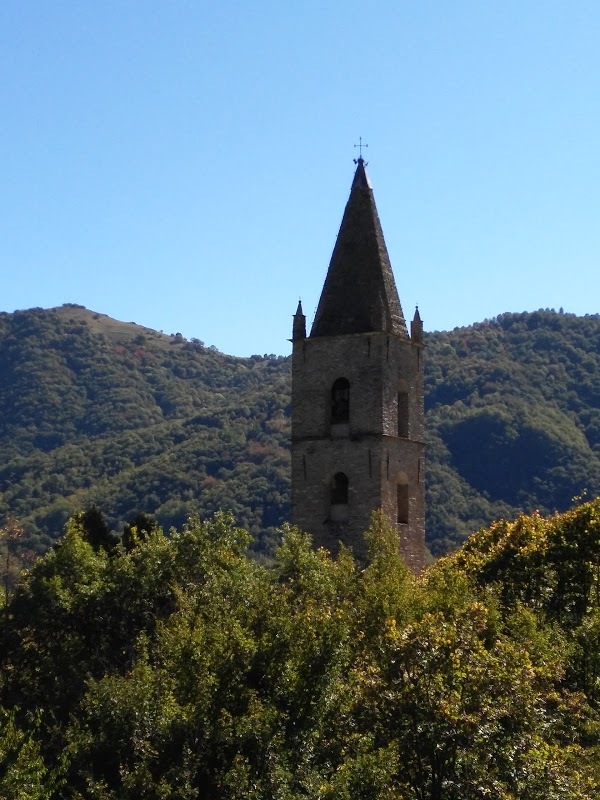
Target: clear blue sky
pixel 185 164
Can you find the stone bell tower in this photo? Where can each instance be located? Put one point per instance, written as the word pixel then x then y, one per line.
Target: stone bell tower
pixel 357 395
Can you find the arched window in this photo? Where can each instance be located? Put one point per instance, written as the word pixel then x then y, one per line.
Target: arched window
pixel 339 489
pixel 339 498
pixel 403 414
pixel 402 503
pixel 340 401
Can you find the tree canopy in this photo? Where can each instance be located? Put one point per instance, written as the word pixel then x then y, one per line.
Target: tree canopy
pixel 178 667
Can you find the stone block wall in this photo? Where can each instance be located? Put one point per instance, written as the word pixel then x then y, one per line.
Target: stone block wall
pixel 368 449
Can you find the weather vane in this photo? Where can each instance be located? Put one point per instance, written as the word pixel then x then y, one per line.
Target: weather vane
pixel 360 146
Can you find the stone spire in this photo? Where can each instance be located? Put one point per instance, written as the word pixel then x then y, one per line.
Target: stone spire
pixel 416 328
pixel 359 294
pixel 299 326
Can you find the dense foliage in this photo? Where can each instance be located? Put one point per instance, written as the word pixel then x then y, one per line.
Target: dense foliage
pixel 177 667
pixel 97 412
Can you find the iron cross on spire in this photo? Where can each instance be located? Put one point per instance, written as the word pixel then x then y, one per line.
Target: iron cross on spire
pixel 360 146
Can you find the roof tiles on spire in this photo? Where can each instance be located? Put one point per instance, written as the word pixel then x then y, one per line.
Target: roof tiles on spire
pixel 359 294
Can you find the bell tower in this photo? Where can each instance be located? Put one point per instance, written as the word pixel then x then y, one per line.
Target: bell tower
pixel 357 395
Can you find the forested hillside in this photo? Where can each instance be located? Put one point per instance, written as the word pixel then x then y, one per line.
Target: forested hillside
pixel 513 419
pixel 93 411
pixel 99 412
pixel 177 668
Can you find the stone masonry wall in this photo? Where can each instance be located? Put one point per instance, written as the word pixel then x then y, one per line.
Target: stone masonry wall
pixel 368 450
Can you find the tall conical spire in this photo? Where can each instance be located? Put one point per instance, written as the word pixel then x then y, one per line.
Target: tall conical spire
pixel 359 294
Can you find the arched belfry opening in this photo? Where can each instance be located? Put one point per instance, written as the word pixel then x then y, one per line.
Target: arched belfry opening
pixel 340 401
pixel 357 395
pixel 402 500
pixel 339 489
pixel 338 509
